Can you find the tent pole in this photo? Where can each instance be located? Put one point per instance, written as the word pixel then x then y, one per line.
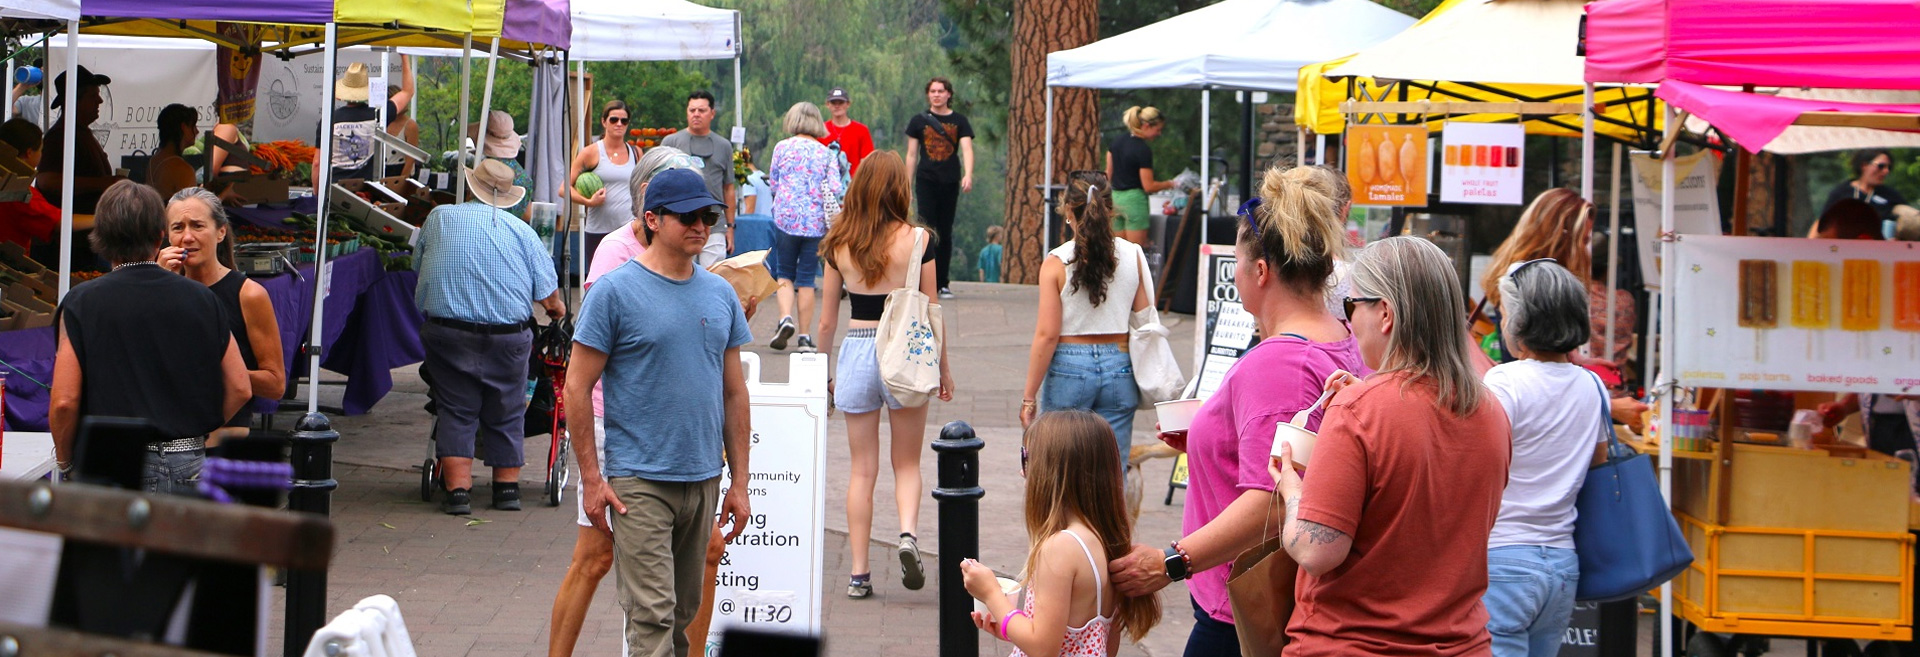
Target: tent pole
pixel 460 131
pixel 580 244
pixel 321 180
pixel 739 102
pixel 1299 147
pixel 486 101
pixel 1206 152
pixel 1046 189
pixel 1586 145
pixel 1669 274
pixel 6 112
pixel 1247 150
pixel 379 152
pixel 67 115
pixel 1319 149
pixel 1613 248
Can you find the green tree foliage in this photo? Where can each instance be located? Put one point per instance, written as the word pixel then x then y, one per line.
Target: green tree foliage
pixel 656 90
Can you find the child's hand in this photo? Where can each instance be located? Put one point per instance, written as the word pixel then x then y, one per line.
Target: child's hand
pixel 980 580
pixel 985 624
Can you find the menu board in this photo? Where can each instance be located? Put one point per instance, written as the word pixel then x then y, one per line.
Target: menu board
pixel 771 575
pixel 1779 313
pixel 1482 163
pixel 1229 330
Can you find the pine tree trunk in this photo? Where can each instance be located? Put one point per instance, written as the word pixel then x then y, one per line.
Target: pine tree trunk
pixel 1041 27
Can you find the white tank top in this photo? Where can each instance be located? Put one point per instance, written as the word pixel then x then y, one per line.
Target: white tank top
pixel 1078 315
pixel 618 209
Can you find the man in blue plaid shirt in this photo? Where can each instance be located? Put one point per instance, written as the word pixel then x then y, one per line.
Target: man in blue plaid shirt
pixel 481 269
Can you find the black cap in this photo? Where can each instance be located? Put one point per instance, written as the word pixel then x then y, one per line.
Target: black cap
pixel 838 93
pixel 87 79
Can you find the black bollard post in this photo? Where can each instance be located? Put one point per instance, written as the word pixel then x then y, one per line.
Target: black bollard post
pixel 959 492
pixel 313 485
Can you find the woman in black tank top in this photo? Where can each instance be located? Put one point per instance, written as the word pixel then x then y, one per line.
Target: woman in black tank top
pixel 197 223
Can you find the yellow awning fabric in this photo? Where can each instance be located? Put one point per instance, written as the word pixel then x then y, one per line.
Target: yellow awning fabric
pixel 1629 111
pixel 407 23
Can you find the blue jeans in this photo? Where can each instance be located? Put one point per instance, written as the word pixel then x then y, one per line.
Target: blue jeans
pixel 1098 378
pixel 173 473
pixel 1529 598
pixel 1211 638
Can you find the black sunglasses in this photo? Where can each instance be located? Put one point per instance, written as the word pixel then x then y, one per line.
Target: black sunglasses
pixel 621 120
pixel 1882 166
pixel 710 217
pixel 1348 303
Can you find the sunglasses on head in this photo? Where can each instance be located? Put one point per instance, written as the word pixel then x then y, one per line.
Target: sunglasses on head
pixel 1248 211
pixel 620 120
pixel 1347 303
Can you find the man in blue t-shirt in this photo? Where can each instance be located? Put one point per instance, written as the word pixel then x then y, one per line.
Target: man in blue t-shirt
pixel 664 336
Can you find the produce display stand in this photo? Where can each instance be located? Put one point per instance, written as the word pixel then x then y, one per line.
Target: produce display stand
pixel 1787 543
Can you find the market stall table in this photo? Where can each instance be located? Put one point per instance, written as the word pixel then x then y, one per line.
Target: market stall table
pixel 25 455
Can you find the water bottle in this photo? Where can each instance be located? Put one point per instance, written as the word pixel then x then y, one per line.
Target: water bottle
pixel 542 215
pixel 29 75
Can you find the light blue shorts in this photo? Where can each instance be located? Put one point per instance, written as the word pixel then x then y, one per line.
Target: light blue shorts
pixel 857 387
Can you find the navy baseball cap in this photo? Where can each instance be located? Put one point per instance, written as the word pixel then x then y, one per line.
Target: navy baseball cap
pixel 679 191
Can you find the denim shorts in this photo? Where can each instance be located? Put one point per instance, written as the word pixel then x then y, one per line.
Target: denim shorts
pixel 1529 598
pixel 795 258
pixel 1098 378
pixel 173 473
pixel 857 387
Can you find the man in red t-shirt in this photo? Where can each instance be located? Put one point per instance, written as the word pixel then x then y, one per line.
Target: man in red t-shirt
pixel 855 141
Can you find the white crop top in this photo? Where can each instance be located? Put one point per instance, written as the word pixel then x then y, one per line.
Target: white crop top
pixel 1078 315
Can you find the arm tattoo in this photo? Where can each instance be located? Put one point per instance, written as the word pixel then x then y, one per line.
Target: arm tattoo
pixel 1320 534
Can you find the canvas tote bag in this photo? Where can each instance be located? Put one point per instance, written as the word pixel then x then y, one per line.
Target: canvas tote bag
pixel 1155 369
pixel 1260 587
pixel 909 336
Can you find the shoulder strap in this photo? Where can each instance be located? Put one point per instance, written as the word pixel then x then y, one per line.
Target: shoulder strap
pixel 1099 588
pixel 1606 413
pixel 1146 282
pixel 913 264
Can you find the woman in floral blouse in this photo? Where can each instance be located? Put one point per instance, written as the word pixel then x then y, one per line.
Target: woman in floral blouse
pixel 806 177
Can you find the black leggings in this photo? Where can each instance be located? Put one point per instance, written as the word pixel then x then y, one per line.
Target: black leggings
pixel 937 201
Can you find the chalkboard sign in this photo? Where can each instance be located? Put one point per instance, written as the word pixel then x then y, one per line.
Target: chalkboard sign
pixel 1583 634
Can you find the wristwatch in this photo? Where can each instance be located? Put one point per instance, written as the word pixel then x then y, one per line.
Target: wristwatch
pixel 1179 565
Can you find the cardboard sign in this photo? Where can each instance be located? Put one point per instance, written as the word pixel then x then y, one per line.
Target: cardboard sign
pixel 1696 206
pixel 1482 163
pixel 1387 165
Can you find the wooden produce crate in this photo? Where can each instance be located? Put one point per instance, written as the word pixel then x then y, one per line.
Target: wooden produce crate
pixel 1796 543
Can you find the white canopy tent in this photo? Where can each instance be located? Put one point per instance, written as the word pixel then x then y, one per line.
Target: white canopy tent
pixel 1255 45
pixel 69 11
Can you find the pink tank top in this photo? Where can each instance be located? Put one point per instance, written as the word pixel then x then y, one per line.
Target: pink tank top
pixel 1090 639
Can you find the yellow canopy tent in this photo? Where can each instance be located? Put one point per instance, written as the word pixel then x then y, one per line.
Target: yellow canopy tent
pixel 1509 54
pixel 298 24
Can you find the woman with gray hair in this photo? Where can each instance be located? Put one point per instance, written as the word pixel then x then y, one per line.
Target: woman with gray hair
pixel 1391 529
pixel 197 226
pixel 1559 413
pixel 806 178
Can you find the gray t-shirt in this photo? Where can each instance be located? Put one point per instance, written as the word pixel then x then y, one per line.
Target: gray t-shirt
pixel 713 151
pixel 28 107
pixel 666 344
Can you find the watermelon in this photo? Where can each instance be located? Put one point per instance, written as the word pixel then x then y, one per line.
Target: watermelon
pixel 588 183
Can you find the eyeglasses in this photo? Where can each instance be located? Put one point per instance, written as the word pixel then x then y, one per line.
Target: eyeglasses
pixel 1347 303
pixel 709 217
pixel 1248 211
pixel 1883 166
pixel 618 120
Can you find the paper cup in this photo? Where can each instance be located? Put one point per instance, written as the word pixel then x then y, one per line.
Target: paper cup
pixel 1301 439
pixel 1007 587
pixel 1178 414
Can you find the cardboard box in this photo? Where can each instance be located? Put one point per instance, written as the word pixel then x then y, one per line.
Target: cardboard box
pixel 262 189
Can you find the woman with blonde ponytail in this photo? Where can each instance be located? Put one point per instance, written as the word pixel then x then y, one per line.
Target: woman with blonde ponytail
pixel 1130 167
pixel 1089 288
pixel 1285 248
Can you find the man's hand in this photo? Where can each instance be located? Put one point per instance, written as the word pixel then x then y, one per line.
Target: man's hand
pixel 966 183
pixel 753 303
pixel 737 508
pixel 1141 572
pixel 555 309
pixel 596 496
pixel 1628 411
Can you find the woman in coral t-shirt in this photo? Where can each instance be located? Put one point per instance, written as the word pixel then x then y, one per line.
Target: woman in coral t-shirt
pixel 1390 526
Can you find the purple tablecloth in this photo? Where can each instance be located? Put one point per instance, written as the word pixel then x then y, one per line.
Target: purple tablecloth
pixel 371 327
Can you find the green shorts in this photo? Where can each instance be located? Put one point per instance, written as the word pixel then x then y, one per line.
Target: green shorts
pixel 1130 210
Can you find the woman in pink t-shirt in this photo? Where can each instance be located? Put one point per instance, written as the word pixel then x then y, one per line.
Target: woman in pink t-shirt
pixel 1285 252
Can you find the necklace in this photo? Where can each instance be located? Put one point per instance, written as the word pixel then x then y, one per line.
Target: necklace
pixel 125 265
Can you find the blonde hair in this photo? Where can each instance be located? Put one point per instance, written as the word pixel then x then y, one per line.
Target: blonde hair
pixel 1300 230
pixel 1139 118
pixel 1074 471
pixel 1555 225
pixel 994 233
pixel 804 119
pixel 1429 340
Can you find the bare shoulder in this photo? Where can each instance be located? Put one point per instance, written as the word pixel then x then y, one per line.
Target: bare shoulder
pixel 252 291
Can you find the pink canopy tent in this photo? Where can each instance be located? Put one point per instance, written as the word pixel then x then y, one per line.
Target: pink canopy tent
pixel 1754 120
pixel 1841 44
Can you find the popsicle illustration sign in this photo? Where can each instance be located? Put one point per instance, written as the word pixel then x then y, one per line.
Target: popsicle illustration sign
pixel 1482 163
pixel 1387 165
pixel 1799 314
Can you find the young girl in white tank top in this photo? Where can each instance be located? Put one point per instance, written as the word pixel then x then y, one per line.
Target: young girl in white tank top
pixel 1075 522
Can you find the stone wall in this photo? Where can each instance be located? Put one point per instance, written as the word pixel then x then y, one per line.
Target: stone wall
pixel 1274 133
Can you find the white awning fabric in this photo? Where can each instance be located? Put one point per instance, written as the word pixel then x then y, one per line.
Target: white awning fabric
pixel 1236 44
pixel 1483 41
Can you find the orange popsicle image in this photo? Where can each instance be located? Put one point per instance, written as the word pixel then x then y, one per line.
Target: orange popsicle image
pixel 1812 295
pixel 1860 295
pixel 1906 296
pixel 1453 155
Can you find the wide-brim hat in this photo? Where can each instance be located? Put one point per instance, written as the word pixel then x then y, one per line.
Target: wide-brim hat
pixel 352 86
pixel 502 141
pixel 492 183
pixel 87 79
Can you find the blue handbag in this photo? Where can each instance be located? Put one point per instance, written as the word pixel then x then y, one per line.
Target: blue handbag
pixel 1624 534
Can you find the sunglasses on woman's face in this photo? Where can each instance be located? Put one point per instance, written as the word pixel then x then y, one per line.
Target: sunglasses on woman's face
pixel 710 217
pixel 1883 166
pixel 617 120
pixel 1348 303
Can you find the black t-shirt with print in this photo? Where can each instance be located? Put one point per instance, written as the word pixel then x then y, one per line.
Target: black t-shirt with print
pixel 939 145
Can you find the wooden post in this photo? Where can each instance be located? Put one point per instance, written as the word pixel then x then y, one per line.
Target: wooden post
pixel 1742 181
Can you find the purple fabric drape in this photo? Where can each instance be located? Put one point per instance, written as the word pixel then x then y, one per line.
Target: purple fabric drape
pixel 303 12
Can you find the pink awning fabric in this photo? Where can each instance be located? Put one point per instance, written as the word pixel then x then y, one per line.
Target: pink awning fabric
pixel 1848 44
pixel 1754 120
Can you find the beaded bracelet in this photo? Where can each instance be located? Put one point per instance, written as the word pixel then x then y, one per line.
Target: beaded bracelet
pixel 1009 617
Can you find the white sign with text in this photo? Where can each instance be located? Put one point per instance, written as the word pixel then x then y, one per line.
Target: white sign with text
pixel 1483 163
pixel 1696 206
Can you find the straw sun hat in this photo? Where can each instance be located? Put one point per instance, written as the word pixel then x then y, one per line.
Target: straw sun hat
pixel 352 87
pixel 492 183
